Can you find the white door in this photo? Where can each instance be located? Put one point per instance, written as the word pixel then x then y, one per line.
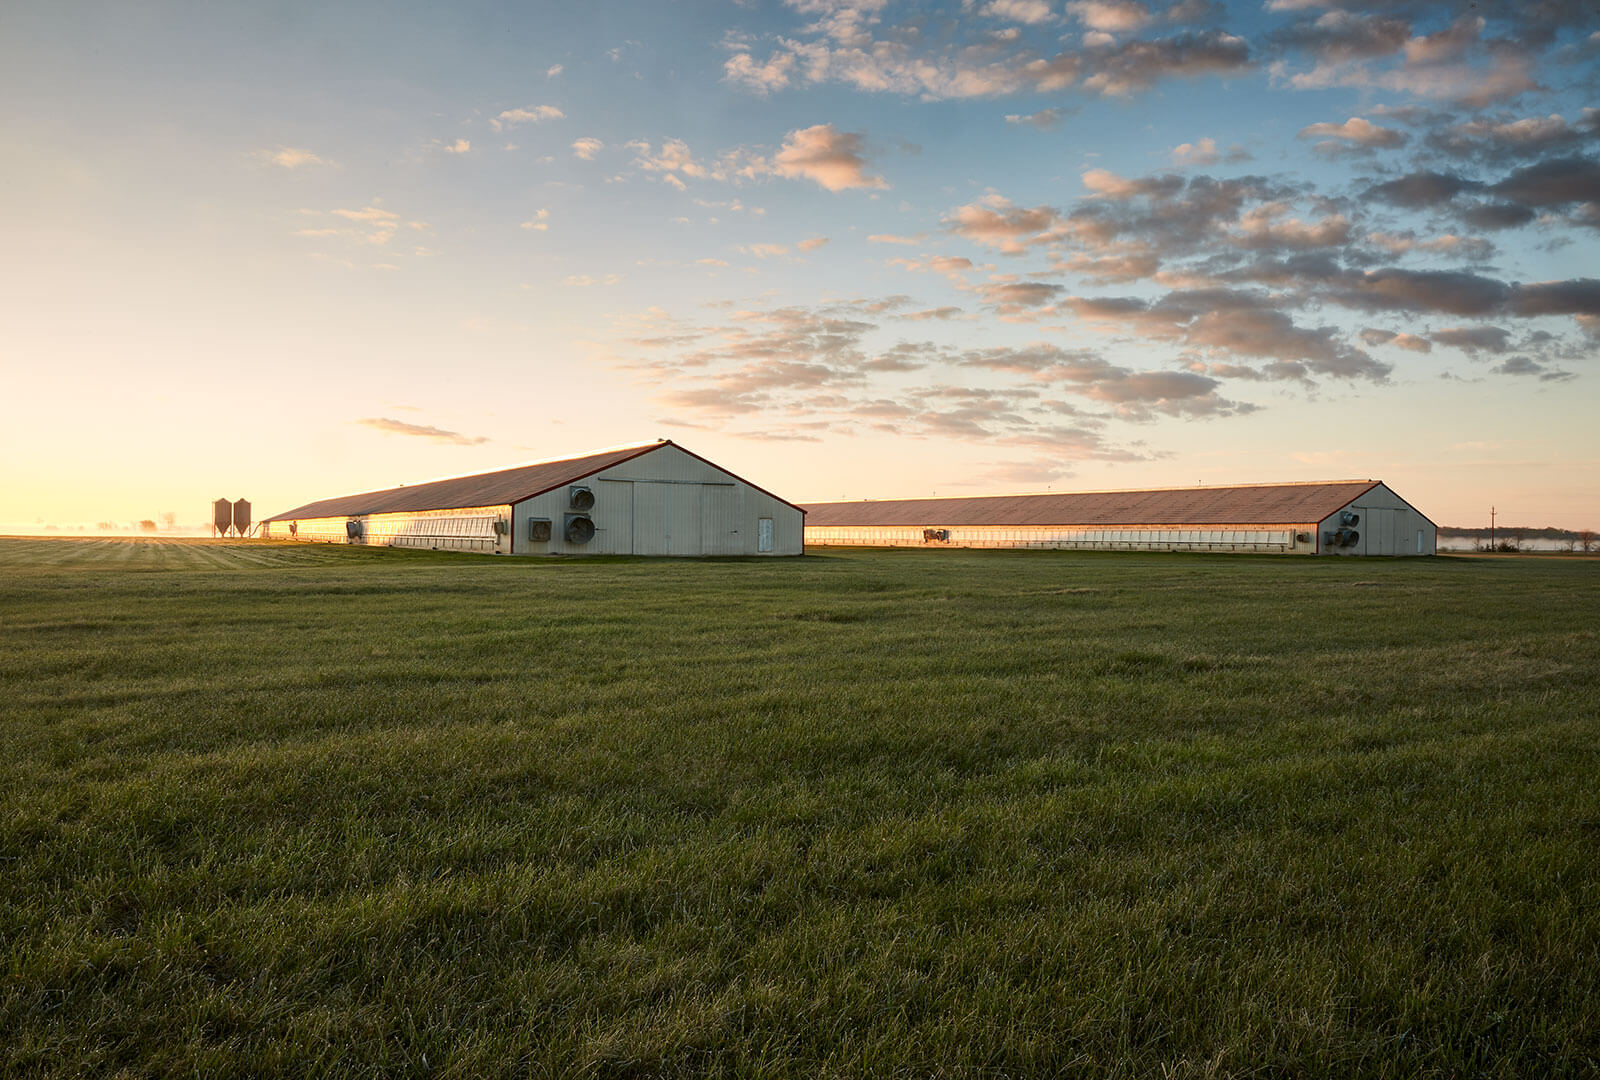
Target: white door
pixel 764 534
pixel 683 519
pixel 650 519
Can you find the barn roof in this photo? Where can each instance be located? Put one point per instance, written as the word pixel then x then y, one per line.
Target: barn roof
pixel 1246 504
pixel 500 488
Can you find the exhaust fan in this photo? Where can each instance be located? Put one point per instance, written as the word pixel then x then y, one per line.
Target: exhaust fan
pixel 352 529
pixel 580 497
pixel 539 530
pixel 578 529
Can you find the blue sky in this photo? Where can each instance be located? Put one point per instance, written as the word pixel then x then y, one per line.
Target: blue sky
pixel 847 249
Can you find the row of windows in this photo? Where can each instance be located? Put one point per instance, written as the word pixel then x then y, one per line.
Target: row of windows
pixel 407 531
pixel 1164 538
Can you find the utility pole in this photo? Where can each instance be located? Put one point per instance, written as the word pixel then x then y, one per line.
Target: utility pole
pixel 1491 528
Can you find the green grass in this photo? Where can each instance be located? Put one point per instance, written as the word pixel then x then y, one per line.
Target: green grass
pixel 274 810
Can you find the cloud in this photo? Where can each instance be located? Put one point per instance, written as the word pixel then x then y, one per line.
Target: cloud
pixel 811 243
pixel 1423 189
pixel 994 221
pixel 1203 152
pixel 1109 16
pixel 741 69
pixel 1135 395
pixel 1578 296
pixel 421 431
pixel 1495 140
pixel 1411 342
pixel 1139 64
pixel 290 157
pixel 372 214
pixel 583 281
pixel 1455 292
pixel 831 158
pixel 1553 183
pixel 1107 184
pixel 1448 44
pixel 553 70
pixel 1474 339
pixel 586 148
pixel 1031 12
pixel 1487 215
pixel 460 146
pixel 1356 130
pixel 529 114
pixel 1525 365
pixel 1044 119
pixel 1337 36
pixel 890 238
pixel 538 223
pixel 1263 227
pixel 810 369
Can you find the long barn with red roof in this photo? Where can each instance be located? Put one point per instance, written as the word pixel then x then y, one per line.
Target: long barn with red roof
pixel 1341 517
pixel 651 499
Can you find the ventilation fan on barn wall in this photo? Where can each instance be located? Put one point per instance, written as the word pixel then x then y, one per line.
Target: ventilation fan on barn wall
pixel 580 498
pixel 539 530
pixel 578 528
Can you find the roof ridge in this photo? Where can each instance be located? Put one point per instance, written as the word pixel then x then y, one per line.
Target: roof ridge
pixel 1100 491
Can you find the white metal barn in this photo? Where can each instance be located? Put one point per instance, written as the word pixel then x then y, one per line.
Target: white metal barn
pixel 1343 517
pixel 655 499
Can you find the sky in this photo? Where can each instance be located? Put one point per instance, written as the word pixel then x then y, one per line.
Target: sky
pixel 844 248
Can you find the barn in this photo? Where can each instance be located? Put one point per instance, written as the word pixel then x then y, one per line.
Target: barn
pixel 652 499
pixel 1339 517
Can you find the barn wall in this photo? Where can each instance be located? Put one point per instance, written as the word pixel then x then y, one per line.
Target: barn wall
pixel 665 502
pixel 1388 526
pixel 1281 539
pixel 469 529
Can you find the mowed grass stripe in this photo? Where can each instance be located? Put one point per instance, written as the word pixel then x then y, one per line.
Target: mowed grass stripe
pixel 862 813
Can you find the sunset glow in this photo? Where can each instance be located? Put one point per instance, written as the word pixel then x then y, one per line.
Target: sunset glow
pixel 847 248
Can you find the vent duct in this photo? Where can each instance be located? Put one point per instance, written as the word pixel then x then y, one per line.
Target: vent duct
pixel 1349 517
pixel 580 497
pixel 578 528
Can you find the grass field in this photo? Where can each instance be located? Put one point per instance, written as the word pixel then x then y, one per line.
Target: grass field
pixel 272 810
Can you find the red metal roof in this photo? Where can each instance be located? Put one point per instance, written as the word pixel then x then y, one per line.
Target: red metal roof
pixel 1251 504
pixel 500 488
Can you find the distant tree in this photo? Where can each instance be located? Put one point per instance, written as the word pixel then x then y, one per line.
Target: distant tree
pixel 169 520
pixel 105 526
pixel 146 525
pixel 1586 539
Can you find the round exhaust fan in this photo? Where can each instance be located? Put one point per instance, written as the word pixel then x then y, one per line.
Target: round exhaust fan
pixel 580 497
pixel 580 529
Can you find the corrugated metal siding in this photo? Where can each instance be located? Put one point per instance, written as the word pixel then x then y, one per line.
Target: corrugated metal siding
pixel 669 502
pixel 1389 526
